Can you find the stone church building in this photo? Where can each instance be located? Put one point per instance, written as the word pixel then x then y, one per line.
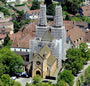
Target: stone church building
pixel 47 49
pixel 44 63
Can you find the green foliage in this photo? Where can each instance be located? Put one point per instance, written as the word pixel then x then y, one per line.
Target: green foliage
pixel 36 79
pixel 2 69
pixel 61 83
pixel 6 40
pixel 80 18
pixel 84 51
pixel 17 5
pixel 35 5
pixel 87 75
pixel 74 61
pixel 19 24
pixel 10 61
pixel 6 81
pixel 51 9
pixel 16 25
pixel 67 76
pixel 17 84
pixel 21 13
pixel 48 2
pixel 71 6
pixel 27 84
pixel 77 57
pixel 4 10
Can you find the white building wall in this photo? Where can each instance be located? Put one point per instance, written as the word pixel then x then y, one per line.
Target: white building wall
pixel 88 45
pixel 20 49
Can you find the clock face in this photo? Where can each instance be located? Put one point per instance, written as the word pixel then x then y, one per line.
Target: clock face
pixel 38 62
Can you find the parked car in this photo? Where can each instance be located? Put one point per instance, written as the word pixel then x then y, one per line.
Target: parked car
pixel 45 81
pixel 18 74
pixel 24 75
pixel 13 77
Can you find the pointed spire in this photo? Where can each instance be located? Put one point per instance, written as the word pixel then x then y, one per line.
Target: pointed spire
pixel 58 19
pixel 42 16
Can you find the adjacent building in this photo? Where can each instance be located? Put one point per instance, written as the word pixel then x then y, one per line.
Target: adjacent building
pixel 17 1
pixel 85 10
pixel 32 14
pixel 87 39
pixel 87 2
pixel 1 15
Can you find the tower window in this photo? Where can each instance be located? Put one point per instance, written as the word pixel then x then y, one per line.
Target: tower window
pixel 38 62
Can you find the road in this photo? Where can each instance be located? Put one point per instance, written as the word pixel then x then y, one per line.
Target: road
pixel 81 72
pixel 23 81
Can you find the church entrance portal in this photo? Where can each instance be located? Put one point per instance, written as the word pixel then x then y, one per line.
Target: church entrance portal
pixel 38 73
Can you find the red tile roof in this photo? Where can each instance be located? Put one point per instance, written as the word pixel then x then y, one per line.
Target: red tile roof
pixel 86 10
pixel 30 5
pixel 76 35
pixel 21 39
pixel 87 38
pixel 2 36
pixel 33 12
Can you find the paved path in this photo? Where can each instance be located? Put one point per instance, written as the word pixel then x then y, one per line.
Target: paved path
pixel 23 81
pixel 81 72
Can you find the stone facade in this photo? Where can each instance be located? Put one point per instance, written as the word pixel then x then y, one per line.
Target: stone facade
pixel 41 63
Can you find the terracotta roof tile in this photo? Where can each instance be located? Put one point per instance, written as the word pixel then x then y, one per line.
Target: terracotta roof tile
pixel 21 39
pixel 33 12
pixel 86 10
pixel 2 36
pixel 87 38
pixel 76 35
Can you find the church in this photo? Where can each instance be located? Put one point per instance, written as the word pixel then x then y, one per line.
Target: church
pixel 47 50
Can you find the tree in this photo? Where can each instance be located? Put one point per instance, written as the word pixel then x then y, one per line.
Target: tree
pixel 2 69
pixel 85 51
pixel 6 40
pixel 21 13
pixel 11 61
pixel 87 75
pixel 74 60
pixel 61 83
pixel 35 5
pixel 17 84
pixel 27 84
pixel 5 79
pixel 48 2
pixel 51 9
pixel 77 57
pixel 36 79
pixel 16 25
pixel 72 6
pixel 67 76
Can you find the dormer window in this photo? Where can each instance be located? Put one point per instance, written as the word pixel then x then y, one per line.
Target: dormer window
pixel 80 38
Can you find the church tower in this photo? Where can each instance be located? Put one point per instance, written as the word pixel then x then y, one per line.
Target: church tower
pixel 42 16
pixel 58 19
pixel 42 22
pixel 59 31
